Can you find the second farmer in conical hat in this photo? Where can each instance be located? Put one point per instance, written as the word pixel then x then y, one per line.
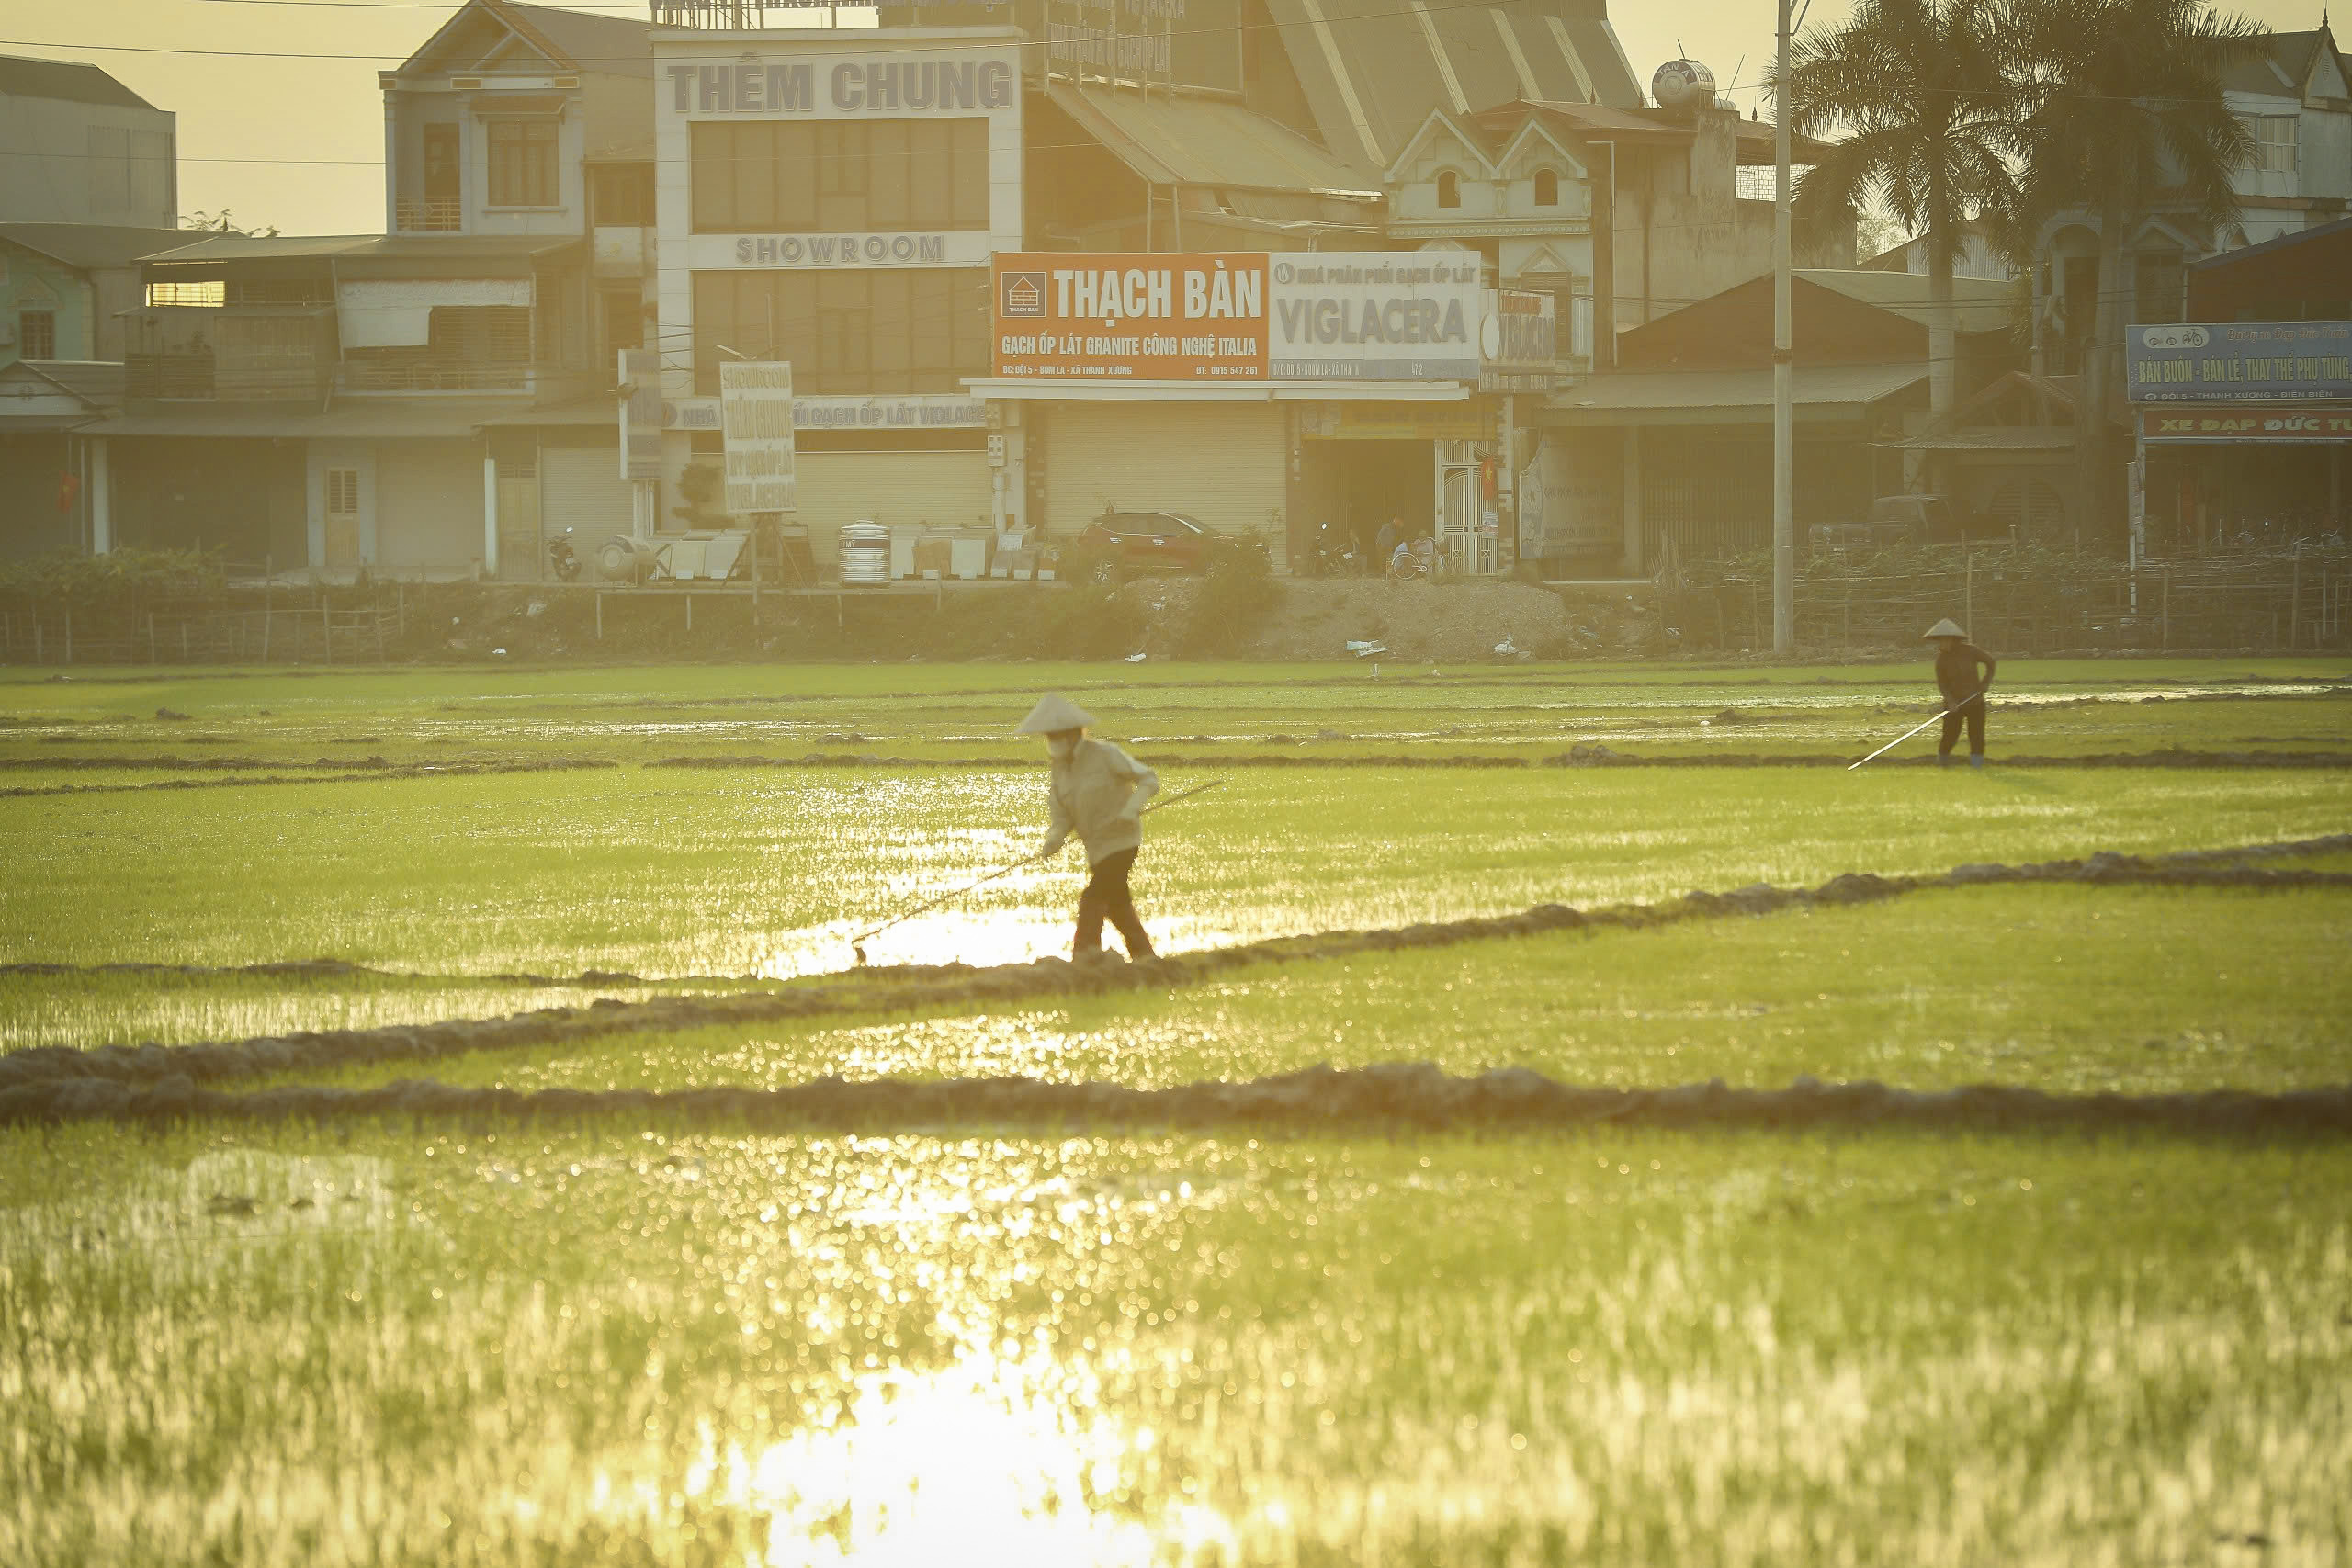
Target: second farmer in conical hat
pixel 1958 665
pixel 1098 793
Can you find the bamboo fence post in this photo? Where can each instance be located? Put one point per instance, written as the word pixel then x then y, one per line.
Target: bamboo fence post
pixel 2164 615
pixel 151 637
pixel 39 655
pixel 2295 600
pixel 184 659
pixel 264 626
pixel 69 634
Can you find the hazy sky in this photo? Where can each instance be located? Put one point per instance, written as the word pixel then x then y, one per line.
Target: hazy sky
pixel 299 142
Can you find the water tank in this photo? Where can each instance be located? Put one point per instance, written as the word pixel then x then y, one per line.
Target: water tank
pixel 1685 87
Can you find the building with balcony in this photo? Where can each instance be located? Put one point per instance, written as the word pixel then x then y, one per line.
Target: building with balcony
pixel 327 403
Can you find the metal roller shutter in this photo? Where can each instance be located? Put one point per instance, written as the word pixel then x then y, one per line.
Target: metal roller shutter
pixel 581 489
pixel 1222 462
pixel 900 489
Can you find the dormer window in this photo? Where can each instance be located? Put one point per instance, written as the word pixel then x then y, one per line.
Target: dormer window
pixel 1547 187
pixel 1449 188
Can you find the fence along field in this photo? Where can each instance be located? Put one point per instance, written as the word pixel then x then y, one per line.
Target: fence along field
pixel 1282 1318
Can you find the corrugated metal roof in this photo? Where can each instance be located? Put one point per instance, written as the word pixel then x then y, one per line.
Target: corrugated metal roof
pixel 97 382
pixel 1374 70
pixel 1206 141
pixel 87 246
pixel 387 418
pixel 1737 395
pixel 451 250
pixel 1991 439
pixel 1979 304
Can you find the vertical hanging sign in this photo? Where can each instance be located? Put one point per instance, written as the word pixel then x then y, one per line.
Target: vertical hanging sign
pixel 755 415
pixel 642 415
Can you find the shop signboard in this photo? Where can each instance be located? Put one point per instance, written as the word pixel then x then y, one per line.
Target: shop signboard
pixel 756 418
pixel 642 414
pixel 1518 350
pixel 1578 507
pixel 1374 316
pixel 2248 422
pixel 1143 317
pixel 2237 361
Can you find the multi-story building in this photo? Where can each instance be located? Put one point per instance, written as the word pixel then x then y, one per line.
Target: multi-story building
pixel 77 146
pixel 2295 99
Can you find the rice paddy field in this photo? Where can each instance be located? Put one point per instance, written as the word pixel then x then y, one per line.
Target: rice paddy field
pixel 569 1308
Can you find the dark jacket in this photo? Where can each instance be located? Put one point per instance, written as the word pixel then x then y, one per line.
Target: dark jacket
pixel 1956 676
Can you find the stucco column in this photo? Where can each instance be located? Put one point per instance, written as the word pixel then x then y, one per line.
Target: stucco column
pixel 1629 561
pixel 101 499
pixel 488 513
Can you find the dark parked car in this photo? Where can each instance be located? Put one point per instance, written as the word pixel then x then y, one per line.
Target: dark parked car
pixel 1134 542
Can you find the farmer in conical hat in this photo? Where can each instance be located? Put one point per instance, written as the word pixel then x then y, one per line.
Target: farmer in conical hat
pixel 1098 793
pixel 1957 661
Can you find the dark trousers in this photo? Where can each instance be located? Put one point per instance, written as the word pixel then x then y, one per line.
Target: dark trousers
pixel 1106 894
pixel 1972 713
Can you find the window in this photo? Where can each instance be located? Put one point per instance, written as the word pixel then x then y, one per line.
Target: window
pixel 343 492
pixel 847 331
pixel 847 176
pixel 521 162
pixel 621 196
pixel 207 294
pixel 1449 188
pixel 1547 187
pixel 2278 133
pixel 37 334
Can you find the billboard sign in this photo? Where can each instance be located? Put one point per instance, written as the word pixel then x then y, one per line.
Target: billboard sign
pixel 2237 362
pixel 2216 422
pixel 756 418
pixel 1142 316
pixel 1519 349
pixel 1374 316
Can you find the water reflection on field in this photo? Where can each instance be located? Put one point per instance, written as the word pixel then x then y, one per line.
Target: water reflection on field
pixel 1621 1347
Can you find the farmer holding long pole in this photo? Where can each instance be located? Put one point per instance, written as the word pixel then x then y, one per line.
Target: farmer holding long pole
pixel 1957 663
pixel 1098 793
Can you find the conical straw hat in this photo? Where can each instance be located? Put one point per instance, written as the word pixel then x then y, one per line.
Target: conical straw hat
pixel 1053 712
pixel 1945 627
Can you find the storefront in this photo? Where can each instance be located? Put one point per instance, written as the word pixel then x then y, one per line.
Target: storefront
pixel 2241 430
pixel 841 196
pixel 1260 394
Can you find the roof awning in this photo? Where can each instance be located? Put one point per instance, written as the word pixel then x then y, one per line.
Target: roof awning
pixel 1990 438
pixel 519 105
pixel 1076 389
pixel 1208 142
pixel 1724 397
pixel 387 418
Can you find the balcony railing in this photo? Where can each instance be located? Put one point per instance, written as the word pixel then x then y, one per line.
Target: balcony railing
pixel 436 217
pixel 437 376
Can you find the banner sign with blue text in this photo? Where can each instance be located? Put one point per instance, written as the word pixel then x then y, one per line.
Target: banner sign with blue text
pixel 2237 361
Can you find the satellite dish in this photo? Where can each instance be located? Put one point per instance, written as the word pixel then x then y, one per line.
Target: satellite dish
pixel 1683 86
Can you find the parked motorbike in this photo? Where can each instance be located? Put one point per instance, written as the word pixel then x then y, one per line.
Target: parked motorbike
pixel 1336 554
pixel 561 558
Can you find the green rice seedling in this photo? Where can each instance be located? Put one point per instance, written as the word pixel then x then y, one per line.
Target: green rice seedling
pixel 517 1346
pixel 2068 990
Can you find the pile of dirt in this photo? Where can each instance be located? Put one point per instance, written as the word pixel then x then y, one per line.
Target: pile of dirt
pixel 30 1079
pixel 1386 1096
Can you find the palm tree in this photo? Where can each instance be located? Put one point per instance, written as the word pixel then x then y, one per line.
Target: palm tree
pixel 2125 116
pixel 1928 109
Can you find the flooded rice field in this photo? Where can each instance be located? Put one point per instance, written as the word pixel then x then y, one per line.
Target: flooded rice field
pixel 614 1333
pixel 521 1345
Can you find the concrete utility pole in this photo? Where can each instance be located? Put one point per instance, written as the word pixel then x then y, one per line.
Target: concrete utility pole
pixel 1785 505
